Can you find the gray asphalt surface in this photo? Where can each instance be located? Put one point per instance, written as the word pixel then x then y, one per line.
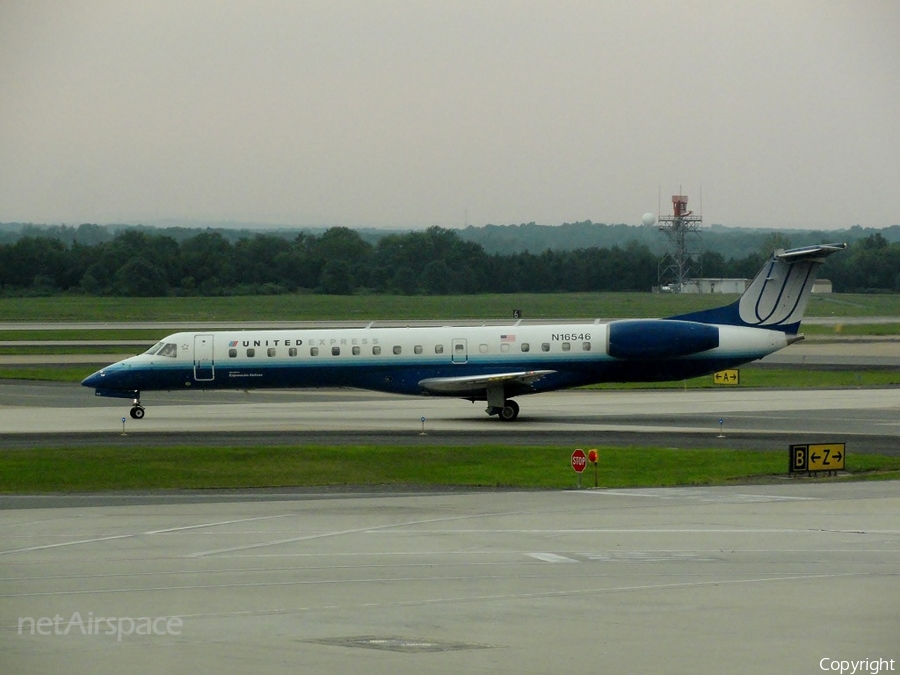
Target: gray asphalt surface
pixel 753 579
pixel 868 420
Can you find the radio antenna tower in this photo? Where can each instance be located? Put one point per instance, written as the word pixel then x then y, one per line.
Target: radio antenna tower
pixel 681 261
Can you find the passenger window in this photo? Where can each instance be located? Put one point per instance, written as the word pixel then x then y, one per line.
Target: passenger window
pixel 271 351
pixel 398 349
pixel 504 347
pixel 483 348
pixel 459 347
pixel 417 349
pixel 232 353
pixel 545 346
pixel 313 351
pixel 292 351
pixel 566 346
pixel 251 352
pixel 356 351
pixel 526 347
pixel 439 349
pixel 376 350
pixel 585 346
pixel 335 351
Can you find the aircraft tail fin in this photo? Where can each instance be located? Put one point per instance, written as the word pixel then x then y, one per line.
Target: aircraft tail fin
pixel 777 296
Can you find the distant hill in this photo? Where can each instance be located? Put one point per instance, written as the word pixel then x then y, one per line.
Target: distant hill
pixel 91 234
pixel 730 242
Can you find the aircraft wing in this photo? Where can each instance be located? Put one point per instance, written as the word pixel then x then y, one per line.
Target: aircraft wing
pixel 467 385
pixel 474 384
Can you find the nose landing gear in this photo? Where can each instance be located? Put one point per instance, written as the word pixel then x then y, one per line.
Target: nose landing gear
pixel 137 410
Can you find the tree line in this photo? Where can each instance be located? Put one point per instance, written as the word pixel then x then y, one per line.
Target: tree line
pixel 339 261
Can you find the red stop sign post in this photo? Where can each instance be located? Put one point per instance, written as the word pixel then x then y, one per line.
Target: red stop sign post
pixel 579 462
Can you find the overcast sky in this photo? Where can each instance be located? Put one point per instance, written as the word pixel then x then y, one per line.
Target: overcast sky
pixel 411 113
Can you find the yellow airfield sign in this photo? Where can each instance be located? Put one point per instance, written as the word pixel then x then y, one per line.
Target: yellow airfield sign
pixel 731 376
pixel 818 457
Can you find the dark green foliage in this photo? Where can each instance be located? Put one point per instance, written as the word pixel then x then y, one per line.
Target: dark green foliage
pixel 141 262
pixel 871 266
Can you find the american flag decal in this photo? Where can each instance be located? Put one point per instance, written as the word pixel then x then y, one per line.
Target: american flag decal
pixel 507 338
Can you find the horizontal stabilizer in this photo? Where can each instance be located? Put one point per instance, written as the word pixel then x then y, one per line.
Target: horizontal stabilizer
pixel 817 253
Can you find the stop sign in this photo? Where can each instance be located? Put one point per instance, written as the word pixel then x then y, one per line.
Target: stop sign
pixel 579 461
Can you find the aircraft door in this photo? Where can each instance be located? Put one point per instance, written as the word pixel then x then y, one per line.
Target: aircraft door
pixel 204 365
pixel 460 351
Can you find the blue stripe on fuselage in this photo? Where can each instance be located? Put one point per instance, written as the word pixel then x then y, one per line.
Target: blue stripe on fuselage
pixel 404 378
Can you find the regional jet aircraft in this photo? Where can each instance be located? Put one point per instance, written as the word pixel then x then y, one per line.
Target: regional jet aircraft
pixel 489 363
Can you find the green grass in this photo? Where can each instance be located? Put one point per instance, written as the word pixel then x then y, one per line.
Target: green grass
pixel 62 373
pixel 358 307
pixel 776 378
pixel 852 330
pixel 48 350
pixel 150 335
pixel 854 305
pixel 101 469
pixel 370 307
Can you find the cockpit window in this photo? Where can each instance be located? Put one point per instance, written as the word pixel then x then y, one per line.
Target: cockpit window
pixel 169 349
pixel 154 348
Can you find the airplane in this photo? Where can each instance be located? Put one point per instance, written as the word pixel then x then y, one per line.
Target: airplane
pixel 491 363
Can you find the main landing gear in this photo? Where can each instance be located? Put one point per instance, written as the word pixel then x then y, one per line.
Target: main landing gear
pixel 497 404
pixel 508 412
pixel 137 410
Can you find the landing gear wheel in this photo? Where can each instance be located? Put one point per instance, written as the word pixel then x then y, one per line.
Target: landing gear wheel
pixel 137 413
pixel 509 411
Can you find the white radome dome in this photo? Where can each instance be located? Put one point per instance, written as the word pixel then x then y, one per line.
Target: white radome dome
pixel 648 219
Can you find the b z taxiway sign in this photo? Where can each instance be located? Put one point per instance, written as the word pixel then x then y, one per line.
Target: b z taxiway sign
pixel 818 457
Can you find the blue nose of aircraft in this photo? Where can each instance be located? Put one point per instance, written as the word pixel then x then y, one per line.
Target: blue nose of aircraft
pixel 94 381
pixel 112 381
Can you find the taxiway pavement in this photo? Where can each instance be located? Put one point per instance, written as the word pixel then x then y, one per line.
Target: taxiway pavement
pixel 753 579
pixel 53 414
